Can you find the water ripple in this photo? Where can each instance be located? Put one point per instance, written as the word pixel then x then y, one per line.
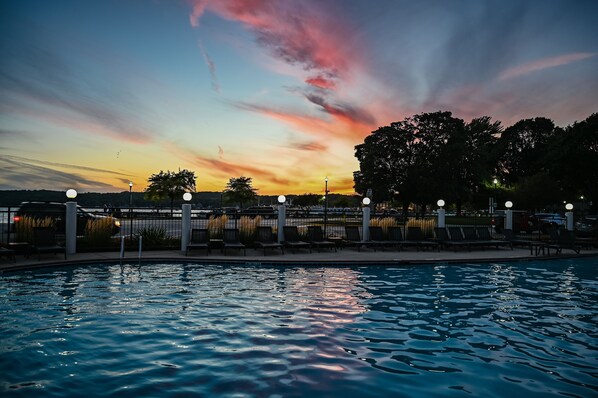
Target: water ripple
pixel 159 330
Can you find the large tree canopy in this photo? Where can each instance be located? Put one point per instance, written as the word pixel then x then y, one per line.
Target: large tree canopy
pixel 435 155
pixel 239 190
pixel 522 148
pixel 424 158
pixel 170 185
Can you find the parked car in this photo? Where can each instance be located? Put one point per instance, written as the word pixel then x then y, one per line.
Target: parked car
pixel 587 227
pixel 546 221
pixel 263 211
pixel 57 212
pixel 522 221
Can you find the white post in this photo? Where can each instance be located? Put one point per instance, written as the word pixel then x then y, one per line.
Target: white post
pixel 509 219
pixel 569 217
pixel 71 227
pixel 140 246
pixel 185 226
pixel 441 218
pixel 366 223
pixel 282 209
pixel 122 247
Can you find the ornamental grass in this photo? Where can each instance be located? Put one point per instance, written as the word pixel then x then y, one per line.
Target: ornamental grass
pixel 426 225
pixel 24 228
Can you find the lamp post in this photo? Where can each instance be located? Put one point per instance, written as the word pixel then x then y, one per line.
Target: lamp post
pixel 281 218
pixel 492 200
pixel 366 219
pixel 326 207
pixel 569 216
pixel 441 214
pixel 185 221
pixel 70 230
pixel 509 215
pixel 131 211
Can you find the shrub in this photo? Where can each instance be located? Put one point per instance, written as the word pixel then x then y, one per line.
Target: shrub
pixel 153 236
pixel 99 231
pixel 427 225
pixel 384 223
pixel 24 228
pixel 216 226
pixel 248 228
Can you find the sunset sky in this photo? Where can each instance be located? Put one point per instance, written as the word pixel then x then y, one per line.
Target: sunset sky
pixel 94 94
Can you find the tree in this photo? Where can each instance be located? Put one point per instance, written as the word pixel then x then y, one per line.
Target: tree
pixel 170 185
pixel 239 190
pixel 572 160
pixel 522 148
pixel 307 199
pixel 422 158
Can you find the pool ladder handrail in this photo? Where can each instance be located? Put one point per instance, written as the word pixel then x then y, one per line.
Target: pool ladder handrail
pixel 122 249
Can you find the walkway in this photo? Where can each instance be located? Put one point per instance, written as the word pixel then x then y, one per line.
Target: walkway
pixel 345 256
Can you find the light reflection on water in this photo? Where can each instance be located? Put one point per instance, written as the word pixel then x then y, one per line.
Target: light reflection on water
pixel 209 330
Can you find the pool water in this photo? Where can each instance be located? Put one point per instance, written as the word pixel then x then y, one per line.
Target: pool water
pixel 159 330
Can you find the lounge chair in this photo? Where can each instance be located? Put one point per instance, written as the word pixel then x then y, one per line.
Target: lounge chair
pixel 9 253
pixel 316 238
pixel 534 245
pixel 265 240
pixel 484 234
pixel 353 237
pixel 292 240
pixel 395 237
pixel 470 235
pixel 199 240
pixel 415 237
pixel 44 241
pixel 447 241
pixel 377 238
pixel 231 240
pixel 562 239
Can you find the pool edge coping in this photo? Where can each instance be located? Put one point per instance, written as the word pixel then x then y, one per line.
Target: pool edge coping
pixel 283 262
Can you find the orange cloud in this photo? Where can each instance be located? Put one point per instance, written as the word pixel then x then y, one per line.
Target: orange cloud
pixel 541 64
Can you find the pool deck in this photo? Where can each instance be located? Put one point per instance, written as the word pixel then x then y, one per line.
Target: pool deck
pixel 295 257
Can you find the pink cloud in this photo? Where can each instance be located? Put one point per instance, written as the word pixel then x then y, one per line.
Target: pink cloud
pixel 298 34
pixel 342 125
pixel 545 63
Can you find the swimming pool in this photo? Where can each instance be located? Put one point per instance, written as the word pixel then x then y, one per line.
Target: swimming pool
pixel 157 330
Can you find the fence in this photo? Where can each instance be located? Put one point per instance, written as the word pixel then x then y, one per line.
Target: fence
pixel 163 228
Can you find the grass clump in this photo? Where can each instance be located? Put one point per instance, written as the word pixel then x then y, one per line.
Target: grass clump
pixel 99 231
pixel 216 226
pixel 384 223
pixel 426 225
pixel 153 236
pixel 24 228
pixel 248 228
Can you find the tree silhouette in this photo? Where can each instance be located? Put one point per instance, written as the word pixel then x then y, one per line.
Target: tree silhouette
pixel 170 185
pixel 239 190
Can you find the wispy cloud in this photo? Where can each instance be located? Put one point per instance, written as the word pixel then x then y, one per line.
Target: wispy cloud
pixel 61 165
pixel 544 63
pixel 40 81
pixel 308 35
pixel 20 173
pixel 211 67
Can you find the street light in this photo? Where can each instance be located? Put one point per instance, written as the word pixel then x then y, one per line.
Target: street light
pixel 282 199
pixel 366 201
pixel 326 207
pixel 440 203
pixel 131 210
pixel 569 206
pixel 187 196
pixel 508 204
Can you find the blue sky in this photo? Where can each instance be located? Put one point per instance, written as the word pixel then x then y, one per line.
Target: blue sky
pixel 97 93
